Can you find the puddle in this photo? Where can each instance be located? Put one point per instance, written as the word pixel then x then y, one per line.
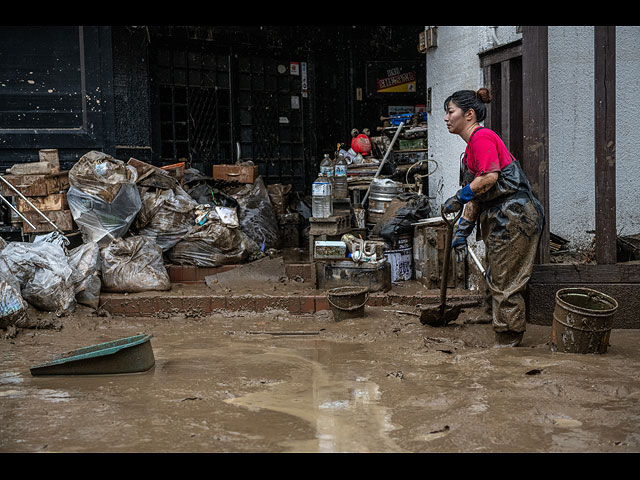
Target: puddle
pixel 345 413
pixel 10 378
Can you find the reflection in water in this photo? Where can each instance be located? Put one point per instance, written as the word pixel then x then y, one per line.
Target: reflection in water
pixel 346 414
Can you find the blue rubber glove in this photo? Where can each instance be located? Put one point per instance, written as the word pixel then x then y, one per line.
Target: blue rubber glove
pixel 459 241
pixel 456 202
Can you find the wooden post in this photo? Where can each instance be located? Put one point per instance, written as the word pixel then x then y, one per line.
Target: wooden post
pixel 605 143
pixel 535 111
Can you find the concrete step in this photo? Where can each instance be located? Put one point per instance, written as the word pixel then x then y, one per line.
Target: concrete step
pixel 198 299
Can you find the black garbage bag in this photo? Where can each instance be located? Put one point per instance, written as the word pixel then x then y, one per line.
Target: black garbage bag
pixel 205 191
pixel 256 215
pixel 404 210
pixel 210 245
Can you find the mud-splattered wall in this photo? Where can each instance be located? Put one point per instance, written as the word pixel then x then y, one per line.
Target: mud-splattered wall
pixel 55 92
pixel 131 93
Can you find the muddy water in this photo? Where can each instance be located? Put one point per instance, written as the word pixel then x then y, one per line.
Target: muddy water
pixel 280 383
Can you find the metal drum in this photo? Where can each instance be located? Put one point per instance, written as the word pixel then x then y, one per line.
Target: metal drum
pixel 381 194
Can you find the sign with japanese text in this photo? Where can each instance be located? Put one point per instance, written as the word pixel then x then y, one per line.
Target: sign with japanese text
pixel 396 80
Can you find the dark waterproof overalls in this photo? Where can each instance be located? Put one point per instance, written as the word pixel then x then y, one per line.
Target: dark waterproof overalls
pixel 510 223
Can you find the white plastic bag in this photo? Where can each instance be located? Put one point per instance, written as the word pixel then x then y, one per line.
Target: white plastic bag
pixel 103 197
pixel 13 308
pixel 133 264
pixel 85 262
pixel 43 272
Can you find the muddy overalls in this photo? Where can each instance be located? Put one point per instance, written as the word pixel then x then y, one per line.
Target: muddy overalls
pixel 510 222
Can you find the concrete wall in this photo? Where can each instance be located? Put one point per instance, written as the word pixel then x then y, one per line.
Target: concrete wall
pixel 454 65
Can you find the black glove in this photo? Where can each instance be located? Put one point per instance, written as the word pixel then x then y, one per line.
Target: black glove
pixel 456 202
pixel 459 241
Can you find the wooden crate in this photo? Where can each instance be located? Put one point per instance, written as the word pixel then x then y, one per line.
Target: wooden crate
pixel 36 185
pixel 55 201
pixel 176 170
pixel 334 225
pixel 236 173
pixel 62 219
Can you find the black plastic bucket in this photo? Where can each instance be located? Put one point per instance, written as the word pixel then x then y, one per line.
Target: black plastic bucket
pixel 347 302
pixel 582 321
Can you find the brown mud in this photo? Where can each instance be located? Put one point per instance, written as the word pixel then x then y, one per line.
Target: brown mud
pixel 276 382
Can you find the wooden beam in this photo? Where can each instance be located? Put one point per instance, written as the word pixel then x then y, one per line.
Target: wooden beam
pixel 515 105
pixel 605 143
pixel 500 54
pixel 535 111
pixel 505 76
pixel 492 81
pixel 487 83
pixel 621 273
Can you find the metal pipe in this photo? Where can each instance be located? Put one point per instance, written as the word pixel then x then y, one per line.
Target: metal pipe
pixel 17 212
pixel 31 204
pixel 383 160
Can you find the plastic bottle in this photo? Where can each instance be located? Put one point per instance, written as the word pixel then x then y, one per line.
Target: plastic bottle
pixel 321 197
pixel 326 165
pixel 340 178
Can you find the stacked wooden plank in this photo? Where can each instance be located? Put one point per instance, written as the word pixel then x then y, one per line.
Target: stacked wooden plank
pixel 45 191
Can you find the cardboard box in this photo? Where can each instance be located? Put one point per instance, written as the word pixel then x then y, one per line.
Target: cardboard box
pixel 236 173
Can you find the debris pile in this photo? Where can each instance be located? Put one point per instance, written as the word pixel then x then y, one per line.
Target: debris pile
pixel 107 225
pixel 130 221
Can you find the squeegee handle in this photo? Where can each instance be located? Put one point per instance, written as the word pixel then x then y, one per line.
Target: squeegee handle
pixel 476 261
pixel 383 160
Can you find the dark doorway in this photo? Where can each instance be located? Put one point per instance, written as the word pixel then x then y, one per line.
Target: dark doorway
pixel 278 96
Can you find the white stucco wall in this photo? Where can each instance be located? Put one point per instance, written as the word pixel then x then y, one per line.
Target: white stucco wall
pixel 454 65
pixel 627 135
pixel 571 132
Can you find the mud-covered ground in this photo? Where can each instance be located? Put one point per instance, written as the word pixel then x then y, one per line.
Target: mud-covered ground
pixel 275 382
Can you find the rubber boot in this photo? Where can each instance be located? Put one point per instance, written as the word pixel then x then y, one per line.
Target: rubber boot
pixel 508 339
pixel 486 315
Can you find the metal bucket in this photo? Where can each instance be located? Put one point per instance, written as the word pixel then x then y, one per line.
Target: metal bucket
pixel 582 321
pixel 347 302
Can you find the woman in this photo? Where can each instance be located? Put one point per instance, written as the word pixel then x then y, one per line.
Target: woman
pixel 496 196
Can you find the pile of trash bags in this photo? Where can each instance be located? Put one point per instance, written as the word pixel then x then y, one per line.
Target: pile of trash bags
pixel 133 219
